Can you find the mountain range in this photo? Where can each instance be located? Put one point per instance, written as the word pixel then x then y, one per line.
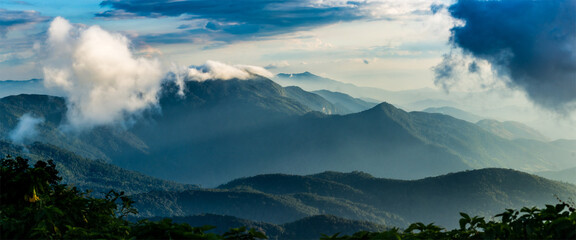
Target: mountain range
pixel 471 105
pixel 282 204
pixel 318 158
pixel 508 129
pixel 222 130
pixel 285 198
pixel 511 130
pixel 268 132
pixel 312 82
pixel 455 112
pixel 32 86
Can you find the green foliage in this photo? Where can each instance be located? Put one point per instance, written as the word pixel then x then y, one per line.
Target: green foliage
pixel 552 222
pixel 34 205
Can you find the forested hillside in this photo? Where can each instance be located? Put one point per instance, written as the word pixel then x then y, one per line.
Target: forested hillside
pixel 282 198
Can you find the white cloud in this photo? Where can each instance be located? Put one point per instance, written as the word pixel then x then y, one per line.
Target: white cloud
pixel 221 71
pixel 103 81
pixel 25 130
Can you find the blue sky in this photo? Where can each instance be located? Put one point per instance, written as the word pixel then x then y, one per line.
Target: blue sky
pixel 389 44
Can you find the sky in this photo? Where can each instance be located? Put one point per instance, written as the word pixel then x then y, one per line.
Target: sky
pixel 389 44
pixel 516 47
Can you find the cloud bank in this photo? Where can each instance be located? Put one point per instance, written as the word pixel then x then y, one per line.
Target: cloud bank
pixel 216 70
pixel 104 83
pixel 239 17
pixel 213 70
pixel 236 20
pixel 25 129
pixel 532 44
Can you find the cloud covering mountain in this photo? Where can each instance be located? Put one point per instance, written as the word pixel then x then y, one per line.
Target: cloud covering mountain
pixel 26 128
pixel 222 71
pixel 103 81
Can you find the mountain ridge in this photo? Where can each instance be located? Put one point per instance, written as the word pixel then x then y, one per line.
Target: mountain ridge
pixel 390 202
pixel 511 130
pixel 201 137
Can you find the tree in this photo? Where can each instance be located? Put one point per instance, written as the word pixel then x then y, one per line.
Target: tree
pixel 33 204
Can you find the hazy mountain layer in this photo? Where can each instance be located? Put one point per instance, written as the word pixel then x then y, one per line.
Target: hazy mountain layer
pixel 314 101
pixel 311 82
pixel 32 86
pixel 454 112
pixel 510 130
pixel 566 175
pixel 345 101
pixel 283 198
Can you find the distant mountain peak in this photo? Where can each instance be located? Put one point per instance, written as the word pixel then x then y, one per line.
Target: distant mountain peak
pixel 385 105
pixel 387 108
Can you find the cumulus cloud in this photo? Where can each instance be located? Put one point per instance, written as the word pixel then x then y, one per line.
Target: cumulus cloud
pixel 10 19
pixel 26 129
pixel 103 81
pixel 530 44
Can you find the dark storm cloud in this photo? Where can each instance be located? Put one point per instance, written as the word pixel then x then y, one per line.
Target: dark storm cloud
pixel 238 17
pixel 11 19
pixel 531 42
